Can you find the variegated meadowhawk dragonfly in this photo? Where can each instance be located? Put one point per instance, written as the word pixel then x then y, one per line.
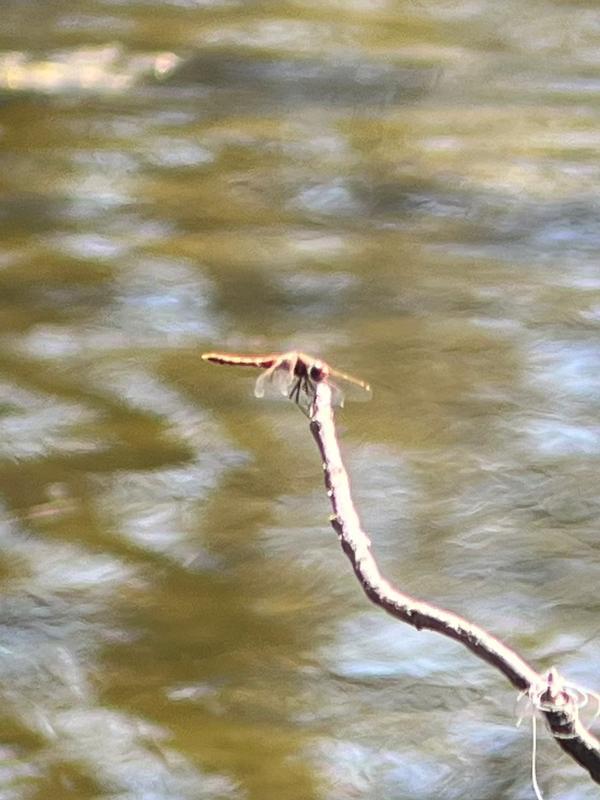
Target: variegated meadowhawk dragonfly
pixel 294 376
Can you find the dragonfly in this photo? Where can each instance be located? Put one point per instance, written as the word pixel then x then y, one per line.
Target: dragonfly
pixel 295 376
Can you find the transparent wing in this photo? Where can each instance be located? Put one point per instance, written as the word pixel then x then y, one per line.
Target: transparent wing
pixel 337 394
pixel 275 382
pixel 349 387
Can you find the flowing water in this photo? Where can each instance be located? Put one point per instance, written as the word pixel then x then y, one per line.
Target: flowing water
pixel 407 189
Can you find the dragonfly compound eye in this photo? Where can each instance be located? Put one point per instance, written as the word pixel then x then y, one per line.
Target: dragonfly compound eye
pixel 317 372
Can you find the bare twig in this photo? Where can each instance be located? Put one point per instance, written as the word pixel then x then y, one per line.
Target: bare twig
pixel 548 693
pixel 306 380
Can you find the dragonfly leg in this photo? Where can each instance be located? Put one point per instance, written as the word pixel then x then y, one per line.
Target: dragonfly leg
pixel 295 391
pixel 310 388
pixel 309 391
pixel 303 386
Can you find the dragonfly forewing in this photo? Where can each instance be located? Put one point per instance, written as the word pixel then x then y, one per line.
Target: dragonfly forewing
pixel 349 387
pixel 338 395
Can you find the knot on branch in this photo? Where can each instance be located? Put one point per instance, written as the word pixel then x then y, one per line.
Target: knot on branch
pixel 554 694
pixel 560 701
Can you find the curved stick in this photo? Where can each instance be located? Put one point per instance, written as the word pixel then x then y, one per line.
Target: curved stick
pixel 549 693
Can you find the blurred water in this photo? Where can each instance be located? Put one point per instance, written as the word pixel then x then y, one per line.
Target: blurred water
pixel 409 190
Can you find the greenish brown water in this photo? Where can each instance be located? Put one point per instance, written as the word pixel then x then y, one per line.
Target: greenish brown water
pixel 409 190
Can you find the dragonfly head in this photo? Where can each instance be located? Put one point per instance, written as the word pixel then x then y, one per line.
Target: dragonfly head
pixel 318 371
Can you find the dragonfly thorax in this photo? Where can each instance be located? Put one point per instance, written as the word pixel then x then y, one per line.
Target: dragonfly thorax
pixel 313 369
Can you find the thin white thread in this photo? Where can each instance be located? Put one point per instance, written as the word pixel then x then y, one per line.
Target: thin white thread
pixel 531 707
pixel 534 780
